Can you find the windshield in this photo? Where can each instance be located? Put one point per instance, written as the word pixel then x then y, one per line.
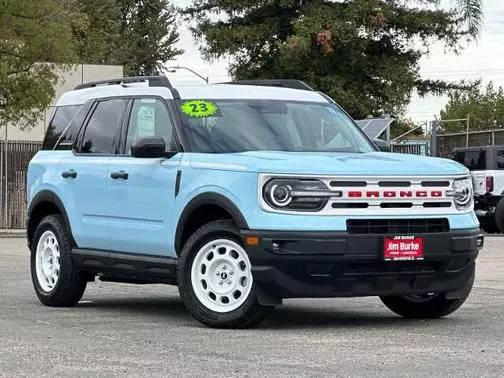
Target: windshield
pixel 219 126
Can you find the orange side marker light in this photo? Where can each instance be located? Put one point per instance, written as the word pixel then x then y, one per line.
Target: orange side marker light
pixel 252 240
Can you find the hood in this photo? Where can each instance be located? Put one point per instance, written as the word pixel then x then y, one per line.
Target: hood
pixel 333 163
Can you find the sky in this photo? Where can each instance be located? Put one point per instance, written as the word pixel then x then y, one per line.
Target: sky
pixel 483 59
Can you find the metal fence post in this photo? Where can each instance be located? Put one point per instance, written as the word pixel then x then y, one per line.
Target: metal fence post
pixel 6 193
pixel 2 147
pixel 434 125
pixel 467 130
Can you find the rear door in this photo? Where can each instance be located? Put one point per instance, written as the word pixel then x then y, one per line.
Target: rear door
pixel 84 172
pixel 141 191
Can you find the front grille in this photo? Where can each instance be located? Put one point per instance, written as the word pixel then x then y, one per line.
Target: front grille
pixel 397 226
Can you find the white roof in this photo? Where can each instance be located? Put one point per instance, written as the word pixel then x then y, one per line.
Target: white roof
pixel 211 91
pixel 80 96
pixel 234 91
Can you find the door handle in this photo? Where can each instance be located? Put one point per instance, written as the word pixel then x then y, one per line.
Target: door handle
pixel 119 175
pixel 69 174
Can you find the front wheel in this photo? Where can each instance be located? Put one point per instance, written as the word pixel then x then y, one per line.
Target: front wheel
pixel 55 280
pixel 215 278
pixel 428 305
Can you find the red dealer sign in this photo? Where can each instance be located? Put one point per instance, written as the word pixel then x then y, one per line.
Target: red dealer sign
pixel 398 248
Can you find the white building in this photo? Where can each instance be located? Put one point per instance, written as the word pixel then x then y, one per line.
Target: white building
pixel 83 73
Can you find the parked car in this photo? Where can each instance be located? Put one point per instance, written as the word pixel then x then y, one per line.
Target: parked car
pixel 242 195
pixel 487 171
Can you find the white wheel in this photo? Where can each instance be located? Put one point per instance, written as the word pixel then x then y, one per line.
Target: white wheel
pixel 221 275
pixel 47 261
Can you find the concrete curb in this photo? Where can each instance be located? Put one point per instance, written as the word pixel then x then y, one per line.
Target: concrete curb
pixel 20 233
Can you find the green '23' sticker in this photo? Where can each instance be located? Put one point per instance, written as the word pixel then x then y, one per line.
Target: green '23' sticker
pixel 199 108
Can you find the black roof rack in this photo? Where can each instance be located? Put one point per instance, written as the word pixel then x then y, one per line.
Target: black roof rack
pixel 154 81
pixel 282 83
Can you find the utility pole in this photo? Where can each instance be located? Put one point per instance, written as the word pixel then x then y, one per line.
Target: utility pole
pixel 175 68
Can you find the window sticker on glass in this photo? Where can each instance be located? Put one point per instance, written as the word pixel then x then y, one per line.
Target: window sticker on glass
pixel 145 121
pixel 199 108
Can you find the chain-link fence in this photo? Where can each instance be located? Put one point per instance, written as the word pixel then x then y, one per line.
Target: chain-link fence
pixel 14 159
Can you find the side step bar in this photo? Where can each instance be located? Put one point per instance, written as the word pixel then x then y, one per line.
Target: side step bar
pixel 126 267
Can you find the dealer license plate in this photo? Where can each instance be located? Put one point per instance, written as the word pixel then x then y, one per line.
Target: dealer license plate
pixel 403 248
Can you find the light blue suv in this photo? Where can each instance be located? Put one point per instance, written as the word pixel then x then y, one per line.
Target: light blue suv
pixel 242 194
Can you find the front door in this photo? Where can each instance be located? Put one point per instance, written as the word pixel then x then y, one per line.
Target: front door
pixel 141 191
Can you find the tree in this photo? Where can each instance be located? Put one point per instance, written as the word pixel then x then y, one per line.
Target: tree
pixel 485 108
pixel 363 53
pixel 139 34
pixel 36 39
pixel 98 35
pixel 403 125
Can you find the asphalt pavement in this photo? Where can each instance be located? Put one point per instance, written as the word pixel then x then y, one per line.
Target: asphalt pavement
pixel 134 330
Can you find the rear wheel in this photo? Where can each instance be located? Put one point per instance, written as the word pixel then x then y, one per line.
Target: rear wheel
pixel 215 278
pixel 428 305
pixel 55 279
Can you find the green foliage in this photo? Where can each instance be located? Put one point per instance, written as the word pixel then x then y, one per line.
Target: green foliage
pixel 139 34
pixel 36 39
pixel 485 108
pixel 403 125
pixel 363 53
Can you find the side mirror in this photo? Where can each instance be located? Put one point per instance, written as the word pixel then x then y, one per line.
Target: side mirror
pixel 153 147
pixel 382 145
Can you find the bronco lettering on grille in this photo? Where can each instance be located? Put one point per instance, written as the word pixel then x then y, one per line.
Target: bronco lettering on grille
pixel 395 194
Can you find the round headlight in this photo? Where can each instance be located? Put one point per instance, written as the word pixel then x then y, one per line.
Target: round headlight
pixel 280 195
pixel 462 192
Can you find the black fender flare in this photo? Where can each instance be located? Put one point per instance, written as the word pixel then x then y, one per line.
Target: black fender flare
pixel 51 197
pixel 208 198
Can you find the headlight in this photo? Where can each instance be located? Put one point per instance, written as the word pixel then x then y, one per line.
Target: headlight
pixel 463 193
pixel 300 195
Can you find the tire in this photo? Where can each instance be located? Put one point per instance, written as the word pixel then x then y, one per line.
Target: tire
pixel 212 248
pixel 499 215
pixel 490 227
pixel 427 306
pixel 57 283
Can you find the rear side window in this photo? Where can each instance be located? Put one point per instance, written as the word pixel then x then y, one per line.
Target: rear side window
pixel 62 117
pixel 103 129
pixel 500 159
pixel 69 136
pixel 473 160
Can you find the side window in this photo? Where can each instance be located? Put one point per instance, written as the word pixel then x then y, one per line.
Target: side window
pixel 500 159
pixel 62 117
pixel 473 160
pixel 103 129
pixel 150 118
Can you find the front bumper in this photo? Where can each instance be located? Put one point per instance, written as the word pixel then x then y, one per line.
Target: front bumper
pixel 338 264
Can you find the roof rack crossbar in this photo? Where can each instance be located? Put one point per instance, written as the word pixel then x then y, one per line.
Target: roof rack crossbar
pixel 282 83
pixel 154 81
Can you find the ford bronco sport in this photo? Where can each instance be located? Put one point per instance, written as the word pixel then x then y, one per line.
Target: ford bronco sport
pixel 242 195
pixel 486 165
